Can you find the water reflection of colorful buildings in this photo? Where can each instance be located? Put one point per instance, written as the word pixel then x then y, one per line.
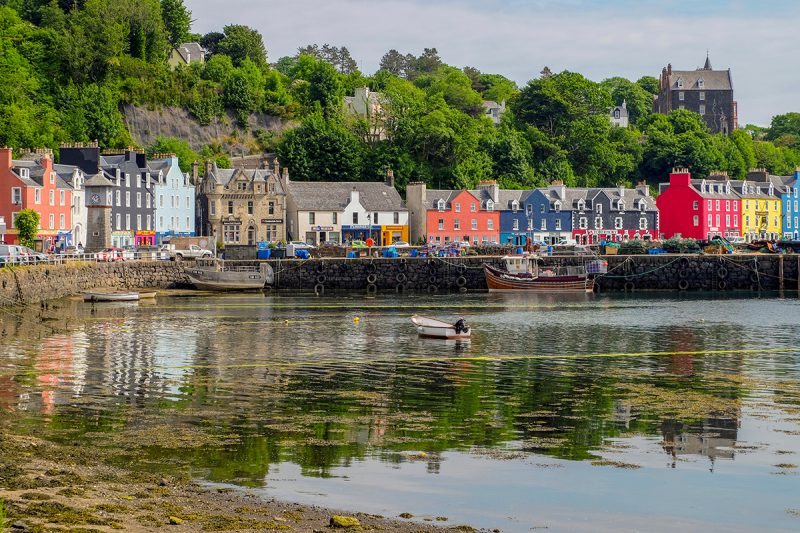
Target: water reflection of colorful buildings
pixel 714 438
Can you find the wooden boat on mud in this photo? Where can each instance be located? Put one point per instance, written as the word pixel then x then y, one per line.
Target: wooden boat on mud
pixel 111 296
pixel 438 329
pixel 216 275
pixel 523 273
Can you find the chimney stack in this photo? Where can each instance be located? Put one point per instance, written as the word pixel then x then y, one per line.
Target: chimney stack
pixel 208 168
pixel 390 178
pixel 276 167
pixel 195 171
pixel 285 175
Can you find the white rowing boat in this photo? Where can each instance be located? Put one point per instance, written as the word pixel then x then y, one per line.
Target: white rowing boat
pixel 110 296
pixel 438 329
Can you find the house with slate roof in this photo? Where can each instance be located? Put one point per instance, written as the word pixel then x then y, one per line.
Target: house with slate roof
pixel 513 223
pixel 760 205
pixel 699 208
pixel 616 214
pixel 186 54
pixel 548 211
pixel 619 115
pixel 33 184
pixel 174 198
pixel 242 206
pixel 442 217
pixel 790 200
pixel 75 178
pixel 345 211
pixel 705 91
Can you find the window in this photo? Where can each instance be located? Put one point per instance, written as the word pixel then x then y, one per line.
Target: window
pixel 696 220
pixel 212 209
pixel 61 221
pixel 456 224
pixel 581 205
pixel 138 199
pixel 61 197
pixel 458 207
pixel 529 209
pixel 187 224
pixel 355 218
pixel 530 225
pixel 643 223
pixel 334 216
pixel 696 205
pixel 147 202
pixel 558 224
pixel 702 109
pixel 716 220
pixel 374 217
pixel 680 83
pixel 127 180
pixel 52 178
pixel 557 206
pixel 119 221
pixel 710 219
pixel 542 208
pixel 727 221
pixel 52 221
pixel 727 205
pixel 701 83
pixel 490 224
pixel 52 197
pixel 681 96
pixel 230 207
pixel 16 195
pixel 396 218
pixel 249 207
pixel 747 220
pixel 472 208
pixel 127 198
pixel 138 181
pixel 515 225
pixel 127 221
pixel 702 94
pixel 147 181
pixel 616 114
pixel 514 206
pixel 231 232
pixel 618 223
pixel 474 223
pixel 620 206
pixel 149 220
pixel 795 222
pixel 188 202
pixel 735 220
pixel 138 222
pixel 441 224
pixel 599 208
pixel 681 106
pixel 440 205
pixel 735 206
pixel 709 205
pixel 37 196
pixel 544 224
pixel 489 205
pixel 716 205
pixel 583 223
pixel 241 185
pixel 161 200
pixel 598 223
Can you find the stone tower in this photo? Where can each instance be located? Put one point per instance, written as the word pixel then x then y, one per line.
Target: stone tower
pixel 99 199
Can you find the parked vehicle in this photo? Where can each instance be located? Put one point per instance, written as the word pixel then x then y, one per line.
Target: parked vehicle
pixel 110 255
pixel 400 244
pixel 193 251
pixel 33 255
pixel 11 254
pixel 293 246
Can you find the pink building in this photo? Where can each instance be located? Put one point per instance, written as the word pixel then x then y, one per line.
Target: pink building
pixel 699 209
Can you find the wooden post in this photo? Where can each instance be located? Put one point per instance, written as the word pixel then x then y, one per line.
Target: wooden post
pixel 780 272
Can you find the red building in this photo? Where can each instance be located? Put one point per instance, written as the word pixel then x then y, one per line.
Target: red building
pixel 455 216
pixel 35 185
pixel 698 209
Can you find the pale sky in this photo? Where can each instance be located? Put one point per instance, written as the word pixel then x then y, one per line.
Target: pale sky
pixel 757 40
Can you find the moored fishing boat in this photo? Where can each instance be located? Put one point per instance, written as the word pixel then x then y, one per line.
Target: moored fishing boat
pixel 110 296
pixel 523 273
pixel 216 275
pixel 438 329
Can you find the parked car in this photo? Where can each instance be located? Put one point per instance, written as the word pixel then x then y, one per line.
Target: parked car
pixel 34 256
pixel 738 239
pixel 11 254
pixel 400 244
pixel 73 250
pixel 192 251
pixel 110 255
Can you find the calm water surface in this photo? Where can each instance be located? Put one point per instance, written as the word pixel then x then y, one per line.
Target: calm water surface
pixel 588 413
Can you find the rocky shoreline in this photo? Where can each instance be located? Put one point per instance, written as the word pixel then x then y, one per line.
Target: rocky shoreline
pixel 49 486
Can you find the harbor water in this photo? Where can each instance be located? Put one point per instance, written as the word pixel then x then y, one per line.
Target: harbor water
pixel 585 413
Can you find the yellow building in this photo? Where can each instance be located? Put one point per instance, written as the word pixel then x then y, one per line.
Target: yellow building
pixel 761 210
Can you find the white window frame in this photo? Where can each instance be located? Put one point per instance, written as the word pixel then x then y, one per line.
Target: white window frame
pixel 16 195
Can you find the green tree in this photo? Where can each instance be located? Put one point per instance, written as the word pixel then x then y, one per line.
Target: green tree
pixel 649 84
pixel 325 88
pixel 177 21
pixel 179 147
pixel 785 130
pixel 219 68
pixel 240 43
pixel 27 224
pixel 639 102
pixel 321 150
pixel 456 88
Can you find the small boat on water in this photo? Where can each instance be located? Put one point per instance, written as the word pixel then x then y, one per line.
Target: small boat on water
pixel 438 329
pixel 111 296
pixel 523 273
pixel 143 295
pixel 217 275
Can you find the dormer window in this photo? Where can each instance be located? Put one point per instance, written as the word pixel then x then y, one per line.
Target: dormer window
pixel 514 206
pixel 440 205
pixel 701 83
pixel 703 186
pixel 557 206
pixel 642 205
pixel 489 205
pixel 52 178
pixel 680 83
pixel 24 173
pixel 599 208
pixel 616 114
pixel 620 205
pixel 581 205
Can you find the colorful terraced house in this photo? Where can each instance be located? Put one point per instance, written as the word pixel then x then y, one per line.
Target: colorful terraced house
pixel 761 207
pixel 790 206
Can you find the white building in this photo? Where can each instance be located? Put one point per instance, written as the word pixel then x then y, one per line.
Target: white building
pixel 75 178
pixel 619 115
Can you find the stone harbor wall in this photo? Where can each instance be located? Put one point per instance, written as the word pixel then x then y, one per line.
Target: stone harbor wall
pixel 38 283
pixel 625 273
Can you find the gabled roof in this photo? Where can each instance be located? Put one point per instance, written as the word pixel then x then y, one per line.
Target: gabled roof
pixel 191 52
pixel 697 185
pixel 99 180
pixel 713 80
pixel 67 173
pixel 37 174
pixel 753 189
pixel 225 176
pixel 23 164
pixel 507 197
pixel 335 195
pixel 432 197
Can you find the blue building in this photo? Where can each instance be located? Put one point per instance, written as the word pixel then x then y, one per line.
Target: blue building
pixel 548 212
pixel 791 210
pixel 174 198
pixel 513 223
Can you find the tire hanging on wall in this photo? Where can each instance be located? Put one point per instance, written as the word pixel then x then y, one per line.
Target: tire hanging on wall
pixel 462 289
pixel 432 289
pixel 320 268
pixel 461 281
pixel 754 277
pixel 432 280
pixel 401 278
pixel 629 286
pixel 722 273
pixel 371 268
pixel 722 285
pixel 322 278
pixel 371 279
pixel 683 273
pixel 372 288
pixel 683 284
pixel 319 289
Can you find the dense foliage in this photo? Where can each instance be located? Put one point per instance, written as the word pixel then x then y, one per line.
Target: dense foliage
pixel 66 67
pixel 27 224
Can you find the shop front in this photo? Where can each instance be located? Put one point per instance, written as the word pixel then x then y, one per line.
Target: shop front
pixel 121 239
pixel 144 238
pixel 62 240
pixel 317 235
pixel 361 232
pixel 392 234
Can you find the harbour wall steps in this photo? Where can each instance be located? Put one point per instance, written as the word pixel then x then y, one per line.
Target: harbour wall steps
pixel 39 283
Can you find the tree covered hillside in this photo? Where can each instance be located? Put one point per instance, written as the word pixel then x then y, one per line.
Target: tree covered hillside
pixel 66 67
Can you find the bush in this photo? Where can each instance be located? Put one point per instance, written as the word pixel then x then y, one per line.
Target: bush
pixel 676 245
pixel 633 247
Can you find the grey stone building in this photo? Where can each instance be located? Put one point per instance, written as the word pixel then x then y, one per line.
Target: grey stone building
pixel 705 91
